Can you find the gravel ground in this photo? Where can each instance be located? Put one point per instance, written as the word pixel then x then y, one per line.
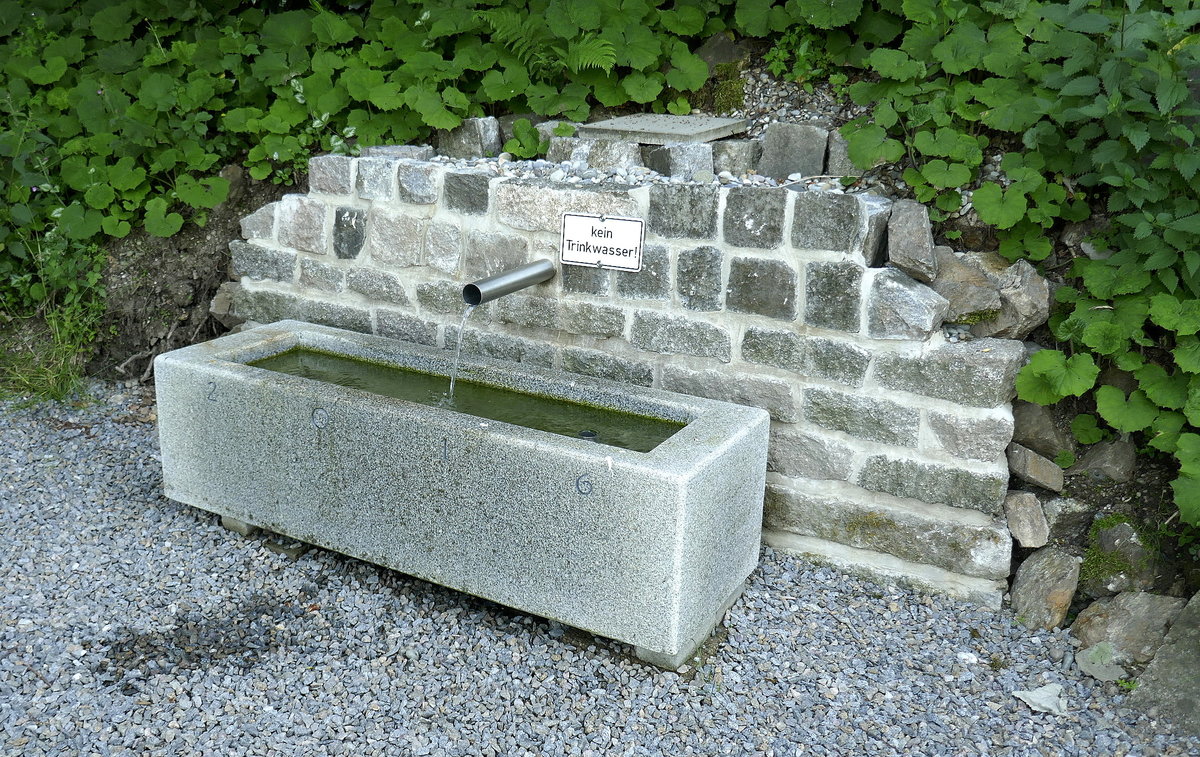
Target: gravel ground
pixel 130 624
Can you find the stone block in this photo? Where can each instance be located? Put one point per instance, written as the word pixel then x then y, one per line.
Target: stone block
pixel 671 335
pixel 853 225
pixel 583 280
pixel 1131 562
pixel 972 438
pixel 877 420
pixel 737 156
pixel 979 373
pixel 837 157
pixel 782 349
pixel 653 282
pixel 537 205
pixel 265 305
pixel 443 297
pixel 376 178
pixel 349 232
pixel 648 548
pixel 443 246
pixel 1170 686
pixel 1037 427
pixel 336 315
pixel 691 161
pixel 408 152
pixel 597 320
pixel 1043 588
pixel 526 310
pixel 1134 622
pixel 614 154
pixel 568 149
pixel 473 138
pixel 1069 519
pixel 762 287
pixel 221 306
pixel 795 452
pixel 698 278
pixel 418 182
pixel 1032 468
pixel 835 360
pixel 970 292
pixel 606 366
pixel 466 190
pixel 683 210
pixel 966 543
pixel 793 148
pixel 258 262
pixel 487 253
pixel 331 174
pixel 1026 521
pixel 1024 303
pixel 770 394
pixel 977 488
pixel 900 308
pixel 910 241
pixel 301 224
pixel 377 285
pixel 1114 460
pixel 261 223
pixel 322 276
pixel 832 296
pixel 502 347
pixel 395 239
pixel 395 324
pixel 754 216
pixel 663 129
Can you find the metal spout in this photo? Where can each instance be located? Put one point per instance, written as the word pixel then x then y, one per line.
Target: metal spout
pixel 486 290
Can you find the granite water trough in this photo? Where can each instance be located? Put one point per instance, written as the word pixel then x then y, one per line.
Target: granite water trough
pixel 646 547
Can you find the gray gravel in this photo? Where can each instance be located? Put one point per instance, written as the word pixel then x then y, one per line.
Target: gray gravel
pixel 130 624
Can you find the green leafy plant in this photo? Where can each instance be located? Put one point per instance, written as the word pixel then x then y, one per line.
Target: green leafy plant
pixel 526 141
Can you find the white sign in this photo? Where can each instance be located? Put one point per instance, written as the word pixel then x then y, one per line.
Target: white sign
pixel 602 241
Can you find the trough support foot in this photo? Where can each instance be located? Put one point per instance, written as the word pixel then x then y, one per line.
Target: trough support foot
pixel 239 526
pixel 669 661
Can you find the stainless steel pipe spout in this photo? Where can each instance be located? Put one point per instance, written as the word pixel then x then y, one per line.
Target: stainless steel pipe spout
pixel 508 282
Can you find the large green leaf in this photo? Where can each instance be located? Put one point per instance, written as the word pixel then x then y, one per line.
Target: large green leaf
pixel 158 221
pixel 1165 389
pixel 1132 413
pixel 642 88
pixel 999 207
pixel 870 145
pixel 1050 376
pixel 830 14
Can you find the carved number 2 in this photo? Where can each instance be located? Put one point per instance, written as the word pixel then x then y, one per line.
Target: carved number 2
pixel 212 391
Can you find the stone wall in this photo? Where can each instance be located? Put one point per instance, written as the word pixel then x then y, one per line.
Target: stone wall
pixel 888 441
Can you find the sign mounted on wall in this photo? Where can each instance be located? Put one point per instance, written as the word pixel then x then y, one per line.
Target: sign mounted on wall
pixel 602 241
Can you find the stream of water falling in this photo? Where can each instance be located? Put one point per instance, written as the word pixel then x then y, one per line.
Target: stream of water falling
pixel 458 351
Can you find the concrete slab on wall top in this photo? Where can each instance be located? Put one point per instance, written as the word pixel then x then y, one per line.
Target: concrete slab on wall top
pixel 648 548
pixel 656 129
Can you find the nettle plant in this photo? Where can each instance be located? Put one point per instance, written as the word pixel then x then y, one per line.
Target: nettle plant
pixel 1089 104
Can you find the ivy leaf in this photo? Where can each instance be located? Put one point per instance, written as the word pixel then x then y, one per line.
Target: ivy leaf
pixel 1050 376
pixel 1125 414
pixel 686 20
pixel 1187 498
pixel 870 145
pixel 79 223
pixel 998 207
pixel 688 71
pixel 112 23
pixel 126 175
pixel 205 193
pixel 99 195
pixel 920 11
pixel 945 175
pixel 753 16
pixel 50 72
pixel 286 31
pixel 157 92
pixel 1165 431
pixel 158 221
pixel 332 29
pixel 830 14
pixel 116 227
pixel 1064 459
pixel 428 103
pixel 1085 429
pixel 961 50
pixel 1181 317
pixel 1105 337
pixel 1187 354
pixel 642 88
pixel 1164 389
pixel 895 64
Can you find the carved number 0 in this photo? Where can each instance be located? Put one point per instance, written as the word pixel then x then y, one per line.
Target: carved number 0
pixel 583 485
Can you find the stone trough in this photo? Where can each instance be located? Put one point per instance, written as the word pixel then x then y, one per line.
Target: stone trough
pixel 649 548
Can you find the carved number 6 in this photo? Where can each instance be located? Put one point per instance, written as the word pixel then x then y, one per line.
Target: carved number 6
pixel 583 485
